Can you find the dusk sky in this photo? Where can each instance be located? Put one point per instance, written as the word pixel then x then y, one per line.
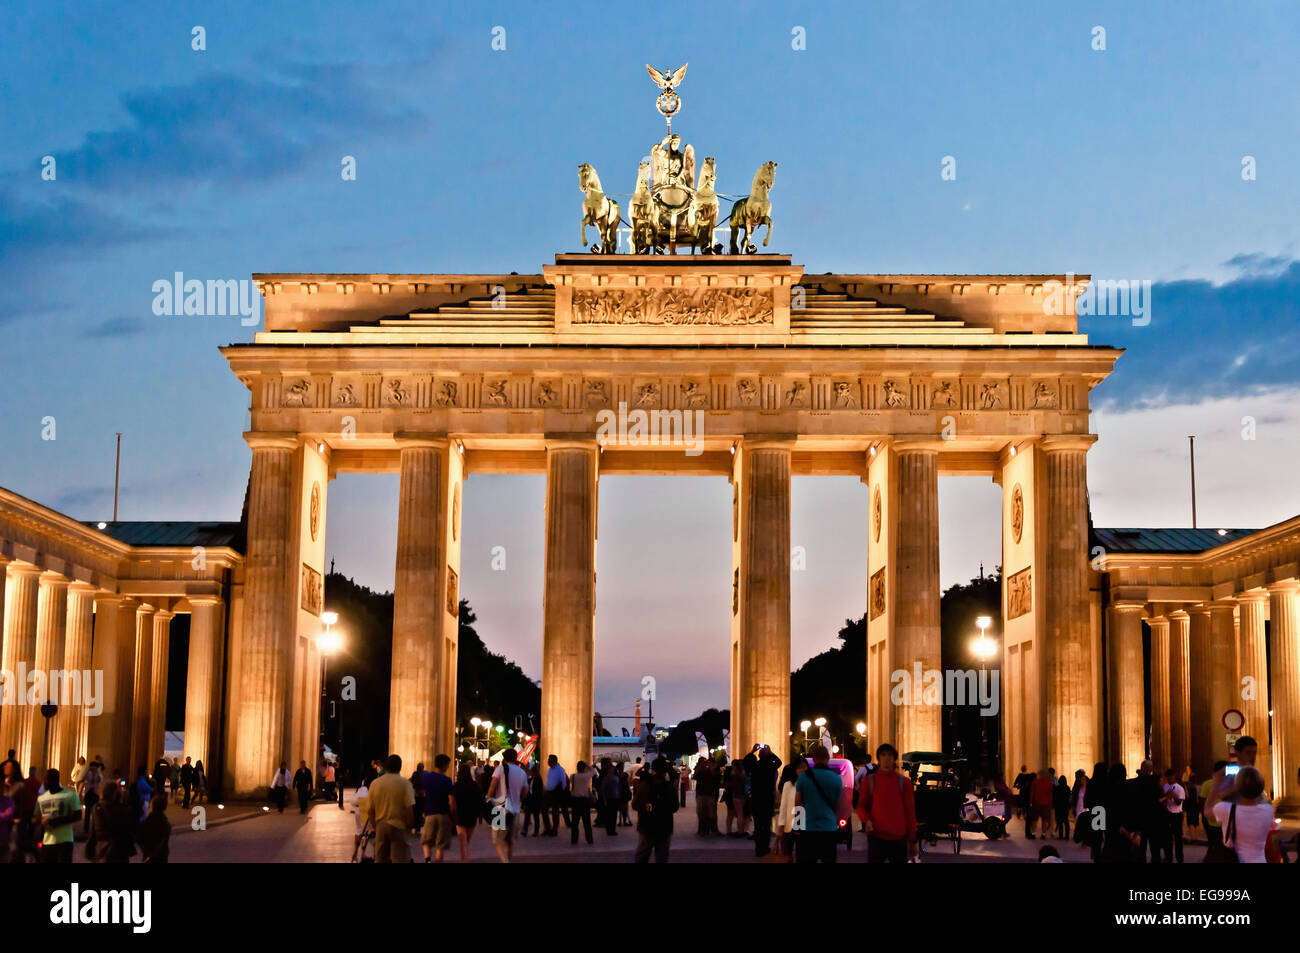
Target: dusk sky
pixel 1125 163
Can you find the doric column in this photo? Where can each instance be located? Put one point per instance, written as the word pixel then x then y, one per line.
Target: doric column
pixel 1251 688
pixel 569 601
pixel 1180 704
pixel 203 681
pixel 162 629
pixel 1222 692
pixel 114 655
pixel 1127 721
pixel 269 626
pixel 919 726
pixel 22 585
pixel 1161 718
pixel 1071 715
pixel 424 609
pixel 142 691
pixel 1285 681
pixel 74 721
pixel 51 630
pixel 1199 683
pixel 762 620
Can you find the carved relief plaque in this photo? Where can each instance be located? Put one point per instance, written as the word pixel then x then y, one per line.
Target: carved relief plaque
pixel 453 592
pixel 312 591
pixel 1020 593
pixel 875 514
pixel 1017 513
pixel 877 604
pixel 313 519
pixel 674 306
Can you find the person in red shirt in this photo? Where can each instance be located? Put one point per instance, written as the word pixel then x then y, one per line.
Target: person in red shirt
pixel 1040 803
pixel 887 807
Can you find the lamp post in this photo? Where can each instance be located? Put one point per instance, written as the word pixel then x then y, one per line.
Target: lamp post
pixel 984 649
pixel 329 642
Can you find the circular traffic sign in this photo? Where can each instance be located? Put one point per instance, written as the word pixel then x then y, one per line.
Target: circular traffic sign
pixel 1233 720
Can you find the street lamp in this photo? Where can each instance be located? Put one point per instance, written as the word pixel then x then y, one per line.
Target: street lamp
pixel 329 642
pixel 985 649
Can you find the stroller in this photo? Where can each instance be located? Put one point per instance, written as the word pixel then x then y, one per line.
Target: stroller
pixel 984 816
pixel 367 838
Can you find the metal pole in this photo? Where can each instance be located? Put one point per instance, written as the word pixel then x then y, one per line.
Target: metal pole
pixel 1191 445
pixel 117 473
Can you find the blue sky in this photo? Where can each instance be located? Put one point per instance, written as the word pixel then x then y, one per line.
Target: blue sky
pixel 1125 163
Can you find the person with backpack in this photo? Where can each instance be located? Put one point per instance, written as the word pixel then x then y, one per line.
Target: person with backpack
pixel 655 802
pixel 887 806
pixel 818 792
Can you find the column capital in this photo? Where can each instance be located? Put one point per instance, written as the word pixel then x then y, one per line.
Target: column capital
pixel 1201 609
pixel 560 441
pixel 272 439
pixel 1052 443
pixel 204 599
pixel 78 585
pixel 163 615
pixel 407 439
pixel 18 568
pixel 1179 615
pixel 918 444
pixel 1129 605
pixel 1252 596
pixel 51 578
pixel 1284 586
pixel 1158 621
pixel 1222 605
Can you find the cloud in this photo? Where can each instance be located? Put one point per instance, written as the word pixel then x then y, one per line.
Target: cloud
pixel 1207 340
pixel 110 328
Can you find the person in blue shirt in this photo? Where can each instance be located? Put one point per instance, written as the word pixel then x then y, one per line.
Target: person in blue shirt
pixel 556 796
pixel 818 792
pixel 439 806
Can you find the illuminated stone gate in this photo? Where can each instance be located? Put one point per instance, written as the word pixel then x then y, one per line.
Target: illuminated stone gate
pixel 896 379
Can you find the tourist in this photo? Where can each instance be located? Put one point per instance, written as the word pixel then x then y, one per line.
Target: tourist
pixel 1192 807
pixel 6 817
pixel 887 806
pixel 533 797
pixel 1121 832
pixel 141 794
pixel 391 813
pixel 1244 750
pixel 1172 796
pixel 818 792
pixel 1247 819
pixel 580 801
pixel 763 767
pixel 705 777
pixel 1094 833
pixel 162 771
pixel 24 801
pixel 155 833
pixel 1047 854
pixel 1024 780
pixel 555 797
pixel 302 783
pixel 280 784
pixel 611 794
pixel 417 785
pixel 1213 832
pixel 859 777
pixel 187 781
pixel 201 784
pixel 624 797
pixel 785 832
pixel 467 807
pixel 92 779
pixel 655 802
pixel 111 838
pixel 331 779
pixel 1061 807
pixel 1151 816
pixel 1040 804
pixel 737 786
pixel 10 766
pixel 360 808
pixel 439 803
pixel 1078 806
pixel 174 774
pixel 506 794
pixel 78 774
pixel 59 809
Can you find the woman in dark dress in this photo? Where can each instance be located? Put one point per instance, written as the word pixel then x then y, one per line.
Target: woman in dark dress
pixel 1061 807
pixel 469 807
pixel 533 802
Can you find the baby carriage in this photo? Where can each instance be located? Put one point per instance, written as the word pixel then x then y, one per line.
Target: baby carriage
pixel 984 816
pixel 365 840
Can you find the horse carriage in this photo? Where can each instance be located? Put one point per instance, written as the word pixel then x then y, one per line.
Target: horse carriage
pixel 670 207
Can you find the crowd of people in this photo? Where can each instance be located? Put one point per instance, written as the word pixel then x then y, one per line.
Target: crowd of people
pixel 1150 816
pixel 39 814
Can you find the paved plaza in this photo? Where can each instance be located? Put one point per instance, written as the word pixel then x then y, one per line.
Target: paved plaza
pixel 246 833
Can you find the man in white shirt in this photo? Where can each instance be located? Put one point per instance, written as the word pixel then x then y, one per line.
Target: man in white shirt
pixel 506 793
pixel 1173 797
pixel 280 784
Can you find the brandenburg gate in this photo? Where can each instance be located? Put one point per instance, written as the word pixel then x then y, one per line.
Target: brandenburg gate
pixel 770 373
pixel 895 379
